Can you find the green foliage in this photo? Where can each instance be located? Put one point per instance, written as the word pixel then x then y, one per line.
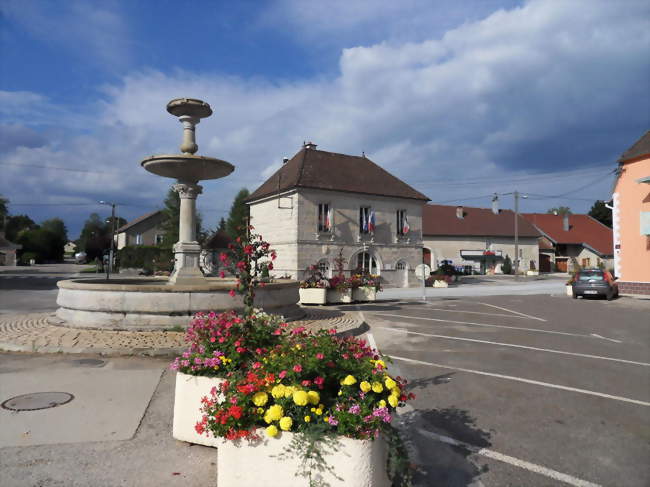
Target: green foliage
pixel 560 210
pixel 506 267
pixel 4 208
pixel 27 257
pixel 238 216
pixel 171 211
pixel 601 213
pixel 17 224
pixel 95 237
pixel 45 244
pixel 147 257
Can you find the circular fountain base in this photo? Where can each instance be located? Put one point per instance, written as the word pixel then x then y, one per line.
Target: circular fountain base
pixel 141 304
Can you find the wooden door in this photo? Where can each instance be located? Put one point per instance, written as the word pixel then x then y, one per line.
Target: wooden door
pixel 561 264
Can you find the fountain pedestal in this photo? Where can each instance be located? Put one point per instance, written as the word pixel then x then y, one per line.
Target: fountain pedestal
pixel 187 250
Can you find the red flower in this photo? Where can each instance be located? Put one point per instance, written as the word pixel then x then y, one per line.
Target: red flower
pixel 232 293
pixel 235 411
pixel 297 368
pixel 270 266
pixel 222 274
pixel 320 356
pixel 306 383
pixel 248 250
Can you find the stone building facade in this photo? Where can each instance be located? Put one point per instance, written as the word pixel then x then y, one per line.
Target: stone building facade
pixel 144 230
pixel 321 206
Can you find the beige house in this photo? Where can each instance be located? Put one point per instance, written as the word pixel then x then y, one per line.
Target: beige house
pixel 321 205
pixel 8 251
pixel 144 230
pixel 477 239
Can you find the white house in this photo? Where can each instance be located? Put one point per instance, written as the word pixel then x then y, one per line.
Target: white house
pixel 320 205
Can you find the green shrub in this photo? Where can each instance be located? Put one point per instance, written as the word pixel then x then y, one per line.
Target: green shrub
pixel 506 267
pixel 27 256
pixel 149 258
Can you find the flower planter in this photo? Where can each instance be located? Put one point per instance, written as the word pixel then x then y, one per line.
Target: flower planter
pixel 532 273
pixel 569 290
pixel 187 404
pixel 334 296
pixel 360 463
pixel 364 293
pixel 440 284
pixel 313 295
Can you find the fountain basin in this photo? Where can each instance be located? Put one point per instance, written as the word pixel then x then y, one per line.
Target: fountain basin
pixel 145 304
pixel 187 167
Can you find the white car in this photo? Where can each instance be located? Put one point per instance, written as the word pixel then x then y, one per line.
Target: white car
pixel 80 257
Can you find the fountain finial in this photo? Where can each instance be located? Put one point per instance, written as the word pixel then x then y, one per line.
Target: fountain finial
pixel 189 111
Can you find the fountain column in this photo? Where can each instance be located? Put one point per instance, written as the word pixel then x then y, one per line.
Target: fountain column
pixel 187 250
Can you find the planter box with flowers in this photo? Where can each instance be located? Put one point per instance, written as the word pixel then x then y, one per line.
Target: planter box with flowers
pixel 292 408
pixel 339 291
pixel 365 287
pixel 313 290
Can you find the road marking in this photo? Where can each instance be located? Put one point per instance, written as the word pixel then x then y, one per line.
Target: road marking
pixel 575 354
pixel 512 311
pixel 605 338
pixel 488 325
pixel 476 312
pixel 371 341
pixel 532 467
pixel 527 381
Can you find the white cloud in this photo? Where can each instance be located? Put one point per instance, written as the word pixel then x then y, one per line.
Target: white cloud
pixel 544 87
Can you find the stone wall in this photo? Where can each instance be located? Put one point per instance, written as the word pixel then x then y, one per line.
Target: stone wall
pixel 626 287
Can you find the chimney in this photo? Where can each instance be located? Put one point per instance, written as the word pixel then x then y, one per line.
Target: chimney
pixel 565 222
pixel 495 204
pixel 310 145
pixel 459 212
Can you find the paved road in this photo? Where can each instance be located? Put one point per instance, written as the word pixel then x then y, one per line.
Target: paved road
pixel 539 390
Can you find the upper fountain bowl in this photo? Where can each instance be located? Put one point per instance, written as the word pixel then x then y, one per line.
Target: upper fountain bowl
pixel 187 167
pixel 189 107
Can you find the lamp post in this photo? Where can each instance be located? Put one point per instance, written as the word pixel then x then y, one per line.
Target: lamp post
pixel 109 269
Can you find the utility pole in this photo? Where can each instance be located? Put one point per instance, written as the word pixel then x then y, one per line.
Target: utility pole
pixel 109 268
pixel 516 193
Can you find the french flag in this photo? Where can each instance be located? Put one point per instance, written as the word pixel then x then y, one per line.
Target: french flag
pixel 406 228
pixel 371 222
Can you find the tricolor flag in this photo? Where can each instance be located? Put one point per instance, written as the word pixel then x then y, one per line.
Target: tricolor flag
pixel 406 227
pixel 364 222
pixel 327 220
pixel 371 222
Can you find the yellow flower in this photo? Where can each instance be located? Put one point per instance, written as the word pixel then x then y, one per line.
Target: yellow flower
pixel 300 398
pixel 286 423
pixel 289 390
pixel 349 380
pixel 307 419
pixel 313 397
pixel 377 387
pixel 326 419
pixel 272 431
pixel 382 404
pixel 260 410
pixel 273 413
pixel 390 383
pixel 392 400
pixel 260 398
pixel 381 362
pixel 278 391
pixel 319 411
pixel 365 386
pixel 340 392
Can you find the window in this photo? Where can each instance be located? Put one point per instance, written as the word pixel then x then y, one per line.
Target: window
pixel 159 239
pixel 364 220
pixel 138 239
pixel 403 227
pixel 367 263
pixel 324 218
pixel 401 265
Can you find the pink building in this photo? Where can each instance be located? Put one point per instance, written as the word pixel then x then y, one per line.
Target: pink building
pixel 631 219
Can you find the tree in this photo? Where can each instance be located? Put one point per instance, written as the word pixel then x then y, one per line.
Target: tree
pixel 601 213
pixel 45 245
pixel 560 210
pixel 95 237
pixel 17 224
pixel 239 213
pixel 4 208
pixel 506 267
pixel 57 227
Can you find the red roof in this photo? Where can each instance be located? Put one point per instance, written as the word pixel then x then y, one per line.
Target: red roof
pixel 481 222
pixel 583 230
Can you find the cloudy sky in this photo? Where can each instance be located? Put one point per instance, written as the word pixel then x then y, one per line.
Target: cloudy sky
pixel 459 98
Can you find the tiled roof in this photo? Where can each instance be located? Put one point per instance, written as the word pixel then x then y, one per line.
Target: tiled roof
pixel 311 168
pixel 138 220
pixel 583 230
pixel 477 222
pixel 640 148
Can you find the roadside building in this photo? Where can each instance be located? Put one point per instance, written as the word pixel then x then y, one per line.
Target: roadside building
pixel 321 205
pixel 575 240
pixel 144 230
pixel 477 239
pixel 8 251
pixel 631 219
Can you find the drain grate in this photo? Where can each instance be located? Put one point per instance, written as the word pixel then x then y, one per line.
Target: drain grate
pixel 89 362
pixel 37 400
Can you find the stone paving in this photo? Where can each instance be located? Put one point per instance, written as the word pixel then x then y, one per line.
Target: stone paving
pixel 35 333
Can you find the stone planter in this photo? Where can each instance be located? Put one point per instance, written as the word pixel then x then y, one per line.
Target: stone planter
pixel 532 273
pixel 334 296
pixel 313 295
pixel 360 463
pixel 364 293
pixel 187 404
pixel 569 290
pixel 440 284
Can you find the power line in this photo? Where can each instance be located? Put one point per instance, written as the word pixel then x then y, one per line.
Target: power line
pixel 71 169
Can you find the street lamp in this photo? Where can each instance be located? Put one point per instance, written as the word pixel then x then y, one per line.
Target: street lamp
pixel 110 253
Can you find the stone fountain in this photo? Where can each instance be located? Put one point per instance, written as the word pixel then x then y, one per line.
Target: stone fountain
pixel 161 303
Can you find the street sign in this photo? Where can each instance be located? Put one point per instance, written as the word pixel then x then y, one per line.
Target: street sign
pixel 422 269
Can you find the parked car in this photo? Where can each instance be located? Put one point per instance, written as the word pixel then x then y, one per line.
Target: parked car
pixel 594 282
pixel 80 257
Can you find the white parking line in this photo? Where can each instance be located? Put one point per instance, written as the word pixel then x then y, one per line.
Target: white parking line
pixel 514 312
pixel 527 381
pixel 489 325
pixel 532 467
pixel 476 313
pixel 574 354
pixel 605 338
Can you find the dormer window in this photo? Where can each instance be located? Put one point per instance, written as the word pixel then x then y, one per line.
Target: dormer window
pixel 324 218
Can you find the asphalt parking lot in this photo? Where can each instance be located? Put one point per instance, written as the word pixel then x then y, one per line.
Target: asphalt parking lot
pixel 523 390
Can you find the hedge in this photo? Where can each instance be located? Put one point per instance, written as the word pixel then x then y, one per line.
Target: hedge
pixel 145 257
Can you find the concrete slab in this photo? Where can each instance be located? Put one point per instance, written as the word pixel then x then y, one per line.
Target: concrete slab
pixel 108 404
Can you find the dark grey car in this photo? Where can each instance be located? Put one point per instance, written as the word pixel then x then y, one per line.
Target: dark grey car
pixel 594 282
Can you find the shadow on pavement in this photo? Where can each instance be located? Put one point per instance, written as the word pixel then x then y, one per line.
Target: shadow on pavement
pixel 439 463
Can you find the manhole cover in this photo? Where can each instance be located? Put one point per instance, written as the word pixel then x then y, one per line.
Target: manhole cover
pixel 89 362
pixel 37 400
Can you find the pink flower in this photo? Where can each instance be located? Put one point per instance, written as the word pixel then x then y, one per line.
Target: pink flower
pixel 222 274
pixel 297 368
pixel 319 381
pixel 222 339
pixel 232 293
pixel 282 374
pixel 213 339
pixel 306 383
pixel 223 258
pixel 257 365
pixel 277 331
pixel 320 356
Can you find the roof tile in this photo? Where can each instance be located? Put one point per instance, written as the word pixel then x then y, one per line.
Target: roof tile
pixel 442 220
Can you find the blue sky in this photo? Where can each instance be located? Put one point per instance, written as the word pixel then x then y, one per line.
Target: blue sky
pixel 459 98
